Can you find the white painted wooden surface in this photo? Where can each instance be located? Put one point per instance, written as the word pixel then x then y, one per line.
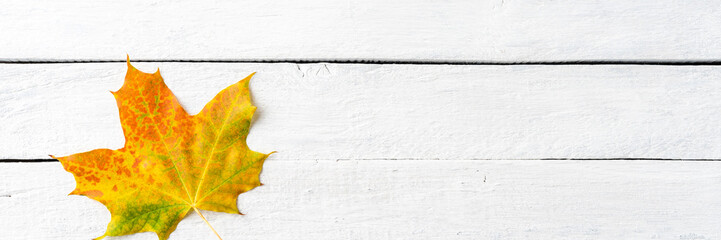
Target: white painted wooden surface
pixel 506 30
pixel 410 200
pixel 369 151
pixel 331 111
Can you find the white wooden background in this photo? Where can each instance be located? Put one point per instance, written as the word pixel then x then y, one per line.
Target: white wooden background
pixel 388 151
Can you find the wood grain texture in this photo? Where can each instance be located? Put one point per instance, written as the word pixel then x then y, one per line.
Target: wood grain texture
pixel 498 30
pixel 410 200
pixel 329 112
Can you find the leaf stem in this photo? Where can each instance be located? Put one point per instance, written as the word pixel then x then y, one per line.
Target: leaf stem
pixel 206 222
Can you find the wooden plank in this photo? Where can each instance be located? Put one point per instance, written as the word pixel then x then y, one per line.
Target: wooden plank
pixel 410 200
pixel 327 111
pixel 496 30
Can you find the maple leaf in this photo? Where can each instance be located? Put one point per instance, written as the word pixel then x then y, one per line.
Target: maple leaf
pixel 172 162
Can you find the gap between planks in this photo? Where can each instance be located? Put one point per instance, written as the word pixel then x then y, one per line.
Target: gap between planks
pixel 670 62
pixel 444 159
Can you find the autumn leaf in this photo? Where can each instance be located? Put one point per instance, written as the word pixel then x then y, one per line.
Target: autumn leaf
pixel 172 162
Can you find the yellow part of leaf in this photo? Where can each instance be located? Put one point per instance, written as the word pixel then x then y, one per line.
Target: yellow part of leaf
pixel 172 162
